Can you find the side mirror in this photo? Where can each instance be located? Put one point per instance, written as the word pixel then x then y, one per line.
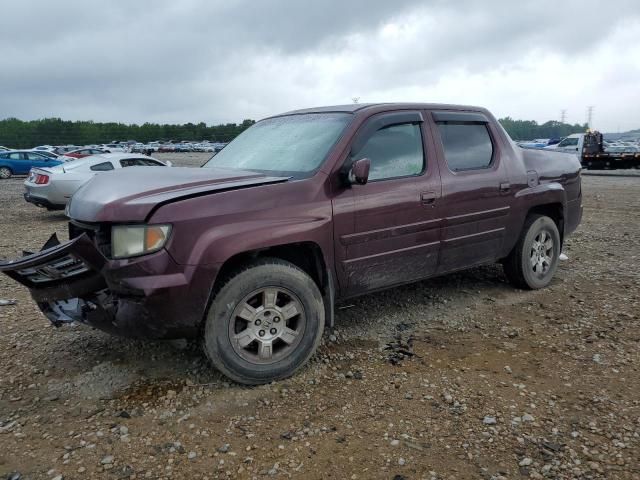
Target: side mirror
pixel 359 172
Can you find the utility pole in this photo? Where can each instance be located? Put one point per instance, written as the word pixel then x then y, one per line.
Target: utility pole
pixel 563 115
pixel 589 115
pixel 356 100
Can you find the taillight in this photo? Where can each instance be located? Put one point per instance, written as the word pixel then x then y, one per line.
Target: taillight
pixel 41 179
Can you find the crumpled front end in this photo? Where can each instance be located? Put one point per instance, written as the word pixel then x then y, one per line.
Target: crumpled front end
pixel 146 297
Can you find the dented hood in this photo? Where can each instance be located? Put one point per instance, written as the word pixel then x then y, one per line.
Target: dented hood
pixel 130 194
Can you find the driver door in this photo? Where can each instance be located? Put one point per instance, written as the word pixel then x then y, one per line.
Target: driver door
pixel 387 231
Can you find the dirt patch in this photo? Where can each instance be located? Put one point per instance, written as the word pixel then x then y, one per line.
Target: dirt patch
pixel 494 382
pixel 102 382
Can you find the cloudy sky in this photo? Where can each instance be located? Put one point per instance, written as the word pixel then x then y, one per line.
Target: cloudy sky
pixel 217 61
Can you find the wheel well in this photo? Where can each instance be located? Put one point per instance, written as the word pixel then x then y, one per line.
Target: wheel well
pixel 305 255
pixel 553 211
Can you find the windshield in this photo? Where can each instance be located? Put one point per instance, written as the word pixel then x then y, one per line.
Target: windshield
pixel 293 145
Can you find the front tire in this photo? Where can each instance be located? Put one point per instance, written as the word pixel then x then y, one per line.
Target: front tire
pixel 534 260
pixel 5 173
pixel 264 323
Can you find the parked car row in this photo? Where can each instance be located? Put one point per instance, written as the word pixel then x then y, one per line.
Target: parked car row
pixel 131 146
pixel 20 162
pixel 571 143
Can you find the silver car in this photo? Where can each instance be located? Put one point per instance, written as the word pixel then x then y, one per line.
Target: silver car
pixel 52 187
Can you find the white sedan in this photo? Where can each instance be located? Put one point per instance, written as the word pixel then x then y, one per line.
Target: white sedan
pixel 52 187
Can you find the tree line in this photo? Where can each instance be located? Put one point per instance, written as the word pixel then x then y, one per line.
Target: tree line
pixel 530 129
pixel 55 131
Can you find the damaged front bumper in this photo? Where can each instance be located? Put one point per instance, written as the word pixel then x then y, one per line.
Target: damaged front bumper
pixel 59 275
pixel 146 297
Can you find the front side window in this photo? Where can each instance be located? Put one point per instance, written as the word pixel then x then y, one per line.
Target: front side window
pixel 394 151
pixel 568 142
pixel 140 162
pixel 153 163
pixel 291 145
pixel 130 162
pixel 15 156
pixel 467 146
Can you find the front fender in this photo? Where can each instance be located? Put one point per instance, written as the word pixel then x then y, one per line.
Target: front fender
pixel 217 244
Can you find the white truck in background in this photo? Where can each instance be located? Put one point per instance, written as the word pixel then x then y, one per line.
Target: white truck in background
pixel 593 154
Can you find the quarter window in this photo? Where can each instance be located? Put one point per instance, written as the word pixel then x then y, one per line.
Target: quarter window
pixel 102 167
pixel 467 146
pixel 394 151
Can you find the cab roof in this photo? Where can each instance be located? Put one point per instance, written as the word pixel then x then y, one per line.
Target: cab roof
pixel 362 107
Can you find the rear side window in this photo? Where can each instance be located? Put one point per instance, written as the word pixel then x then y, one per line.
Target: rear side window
pixel 102 167
pixel 394 151
pixel 467 146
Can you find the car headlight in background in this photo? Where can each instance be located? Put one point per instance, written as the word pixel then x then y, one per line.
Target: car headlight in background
pixel 134 240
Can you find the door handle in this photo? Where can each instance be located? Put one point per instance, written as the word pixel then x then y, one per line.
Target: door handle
pixel 428 198
pixel 505 187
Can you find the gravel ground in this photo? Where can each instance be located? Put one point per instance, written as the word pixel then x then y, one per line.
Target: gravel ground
pixel 457 377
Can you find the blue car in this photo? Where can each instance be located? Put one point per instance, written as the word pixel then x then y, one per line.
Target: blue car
pixel 19 162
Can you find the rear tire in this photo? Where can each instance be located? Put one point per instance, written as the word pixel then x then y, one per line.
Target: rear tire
pixel 5 173
pixel 534 260
pixel 264 323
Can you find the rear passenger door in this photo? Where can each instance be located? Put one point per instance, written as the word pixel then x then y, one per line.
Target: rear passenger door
pixel 387 231
pixel 476 191
pixel 19 163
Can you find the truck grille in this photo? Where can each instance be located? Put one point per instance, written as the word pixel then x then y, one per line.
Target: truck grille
pixel 57 269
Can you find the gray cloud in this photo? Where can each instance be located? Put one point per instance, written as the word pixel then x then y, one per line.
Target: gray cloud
pixel 214 61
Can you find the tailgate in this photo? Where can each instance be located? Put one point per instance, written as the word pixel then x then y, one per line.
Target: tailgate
pixel 59 271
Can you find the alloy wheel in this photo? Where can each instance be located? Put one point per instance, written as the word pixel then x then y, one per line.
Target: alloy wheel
pixel 267 325
pixel 541 255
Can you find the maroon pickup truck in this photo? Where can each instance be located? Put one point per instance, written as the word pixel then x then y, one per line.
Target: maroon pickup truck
pixel 251 251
